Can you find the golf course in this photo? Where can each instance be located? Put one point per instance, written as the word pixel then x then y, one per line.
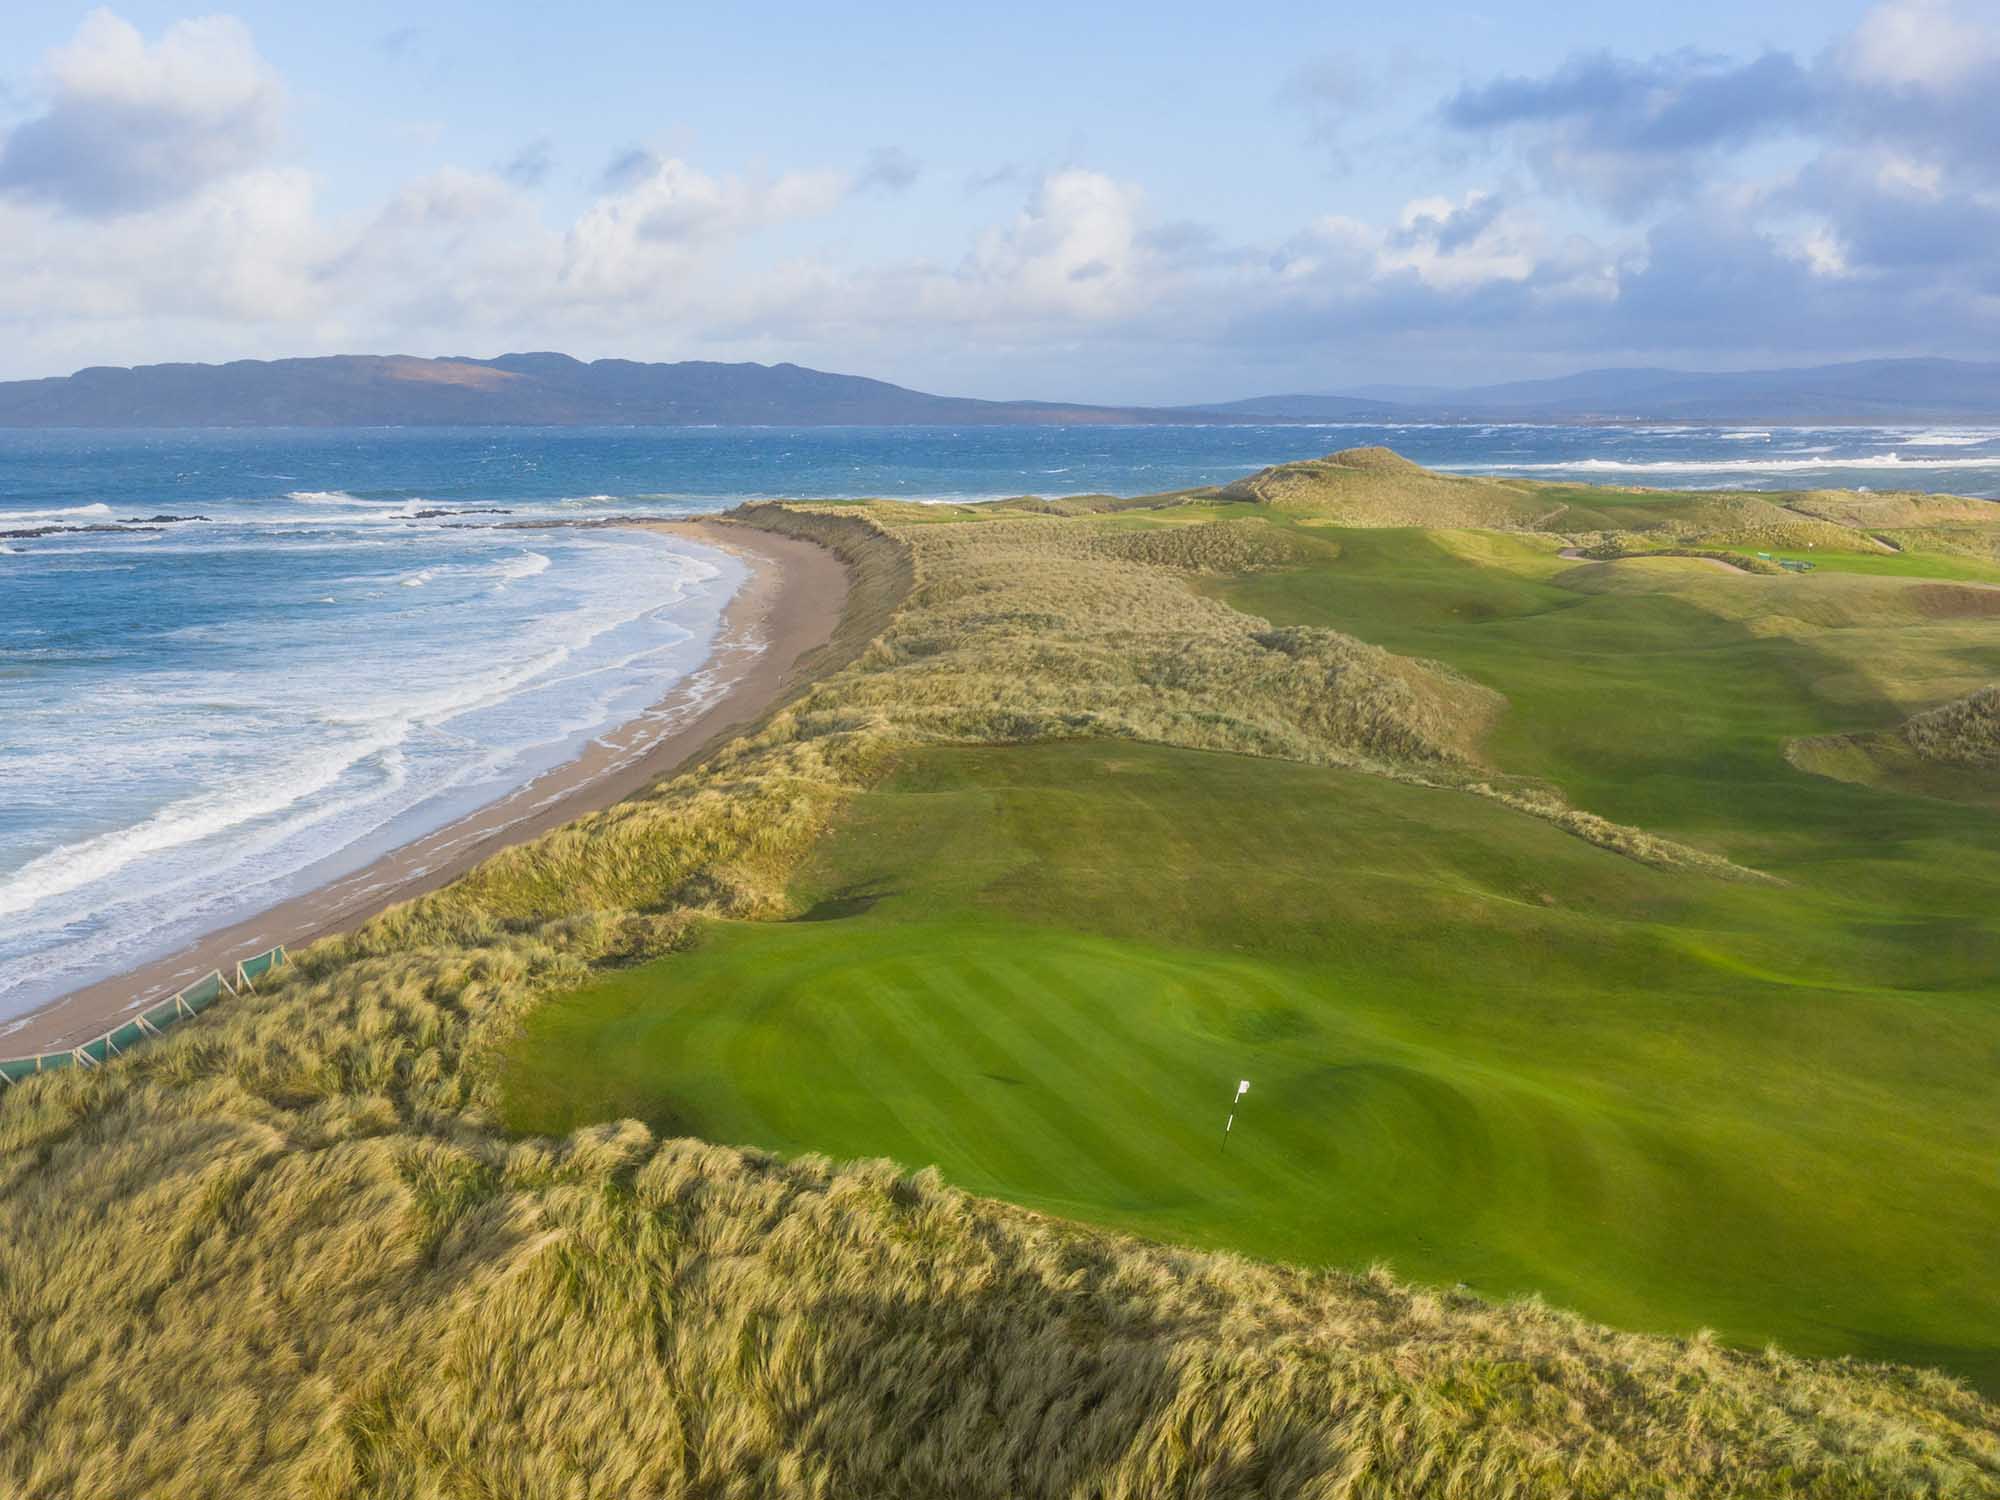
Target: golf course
pixel 1605 916
pixel 1482 1050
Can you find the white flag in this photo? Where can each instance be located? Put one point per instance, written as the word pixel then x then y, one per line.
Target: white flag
pixel 1242 1088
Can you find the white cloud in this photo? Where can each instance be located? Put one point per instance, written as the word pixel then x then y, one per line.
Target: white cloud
pixel 1450 246
pixel 450 198
pixel 241 252
pixel 1899 174
pixel 661 223
pixel 130 124
pixel 1922 44
pixel 1822 252
pixel 1071 251
pixel 1333 246
pixel 1457 246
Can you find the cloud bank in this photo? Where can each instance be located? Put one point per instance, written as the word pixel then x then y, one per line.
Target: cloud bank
pixel 1685 206
pixel 133 125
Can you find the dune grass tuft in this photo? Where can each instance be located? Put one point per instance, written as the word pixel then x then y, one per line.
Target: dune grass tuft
pixel 1964 733
pixel 1949 751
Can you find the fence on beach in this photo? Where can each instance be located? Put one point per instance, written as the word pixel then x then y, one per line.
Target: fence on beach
pixel 153 1021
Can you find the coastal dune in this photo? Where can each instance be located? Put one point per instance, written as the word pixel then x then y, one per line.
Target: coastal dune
pixel 341 1239
pixel 788 606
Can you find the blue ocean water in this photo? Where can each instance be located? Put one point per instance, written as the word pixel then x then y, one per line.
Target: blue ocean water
pixel 371 632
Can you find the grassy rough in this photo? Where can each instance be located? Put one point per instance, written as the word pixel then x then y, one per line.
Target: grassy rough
pixel 1948 752
pixel 1032 629
pixel 1374 487
pixel 286 1251
pixel 1964 733
pixel 340 1298
pixel 1377 487
pixel 1020 629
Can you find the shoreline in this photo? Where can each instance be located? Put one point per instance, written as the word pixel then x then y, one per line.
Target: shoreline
pixel 790 604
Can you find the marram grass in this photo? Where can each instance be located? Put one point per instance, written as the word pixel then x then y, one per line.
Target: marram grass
pixel 1962 733
pixel 286 1251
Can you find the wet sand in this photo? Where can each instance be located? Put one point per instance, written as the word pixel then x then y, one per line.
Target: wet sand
pixel 789 604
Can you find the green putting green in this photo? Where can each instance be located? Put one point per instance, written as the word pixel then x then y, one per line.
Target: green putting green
pixel 1479 1048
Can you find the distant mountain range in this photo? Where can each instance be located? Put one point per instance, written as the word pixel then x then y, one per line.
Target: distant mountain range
pixel 535 390
pixel 1887 391
pixel 557 391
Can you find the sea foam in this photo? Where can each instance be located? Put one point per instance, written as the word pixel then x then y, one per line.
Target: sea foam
pixel 95 510
pixel 239 748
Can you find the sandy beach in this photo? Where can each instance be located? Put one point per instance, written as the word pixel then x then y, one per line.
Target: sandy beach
pixel 789 604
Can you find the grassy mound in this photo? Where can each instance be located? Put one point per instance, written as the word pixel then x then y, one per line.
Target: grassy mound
pixel 1950 751
pixel 1891 510
pixel 324 1303
pixel 289 1249
pixel 1375 487
pixel 1965 733
pixel 1029 629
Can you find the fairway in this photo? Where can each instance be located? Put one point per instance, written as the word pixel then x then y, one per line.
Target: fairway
pixel 1480 1048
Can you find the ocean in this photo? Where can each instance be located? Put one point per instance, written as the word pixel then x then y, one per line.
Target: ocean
pixel 349 638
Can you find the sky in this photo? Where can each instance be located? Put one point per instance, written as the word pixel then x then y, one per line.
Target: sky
pixel 1124 202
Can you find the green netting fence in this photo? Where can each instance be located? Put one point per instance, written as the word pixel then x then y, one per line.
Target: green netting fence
pixel 150 1022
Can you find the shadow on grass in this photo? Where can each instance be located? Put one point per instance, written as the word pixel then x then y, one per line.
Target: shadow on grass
pixel 854 901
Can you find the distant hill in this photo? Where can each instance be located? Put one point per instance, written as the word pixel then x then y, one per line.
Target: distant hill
pixel 555 390
pixel 1888 391
pixel 513 390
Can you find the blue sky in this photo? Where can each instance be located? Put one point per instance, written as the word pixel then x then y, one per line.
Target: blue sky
pixel 1119 202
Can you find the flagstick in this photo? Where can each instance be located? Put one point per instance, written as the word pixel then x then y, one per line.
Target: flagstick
pixel 1241 1089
